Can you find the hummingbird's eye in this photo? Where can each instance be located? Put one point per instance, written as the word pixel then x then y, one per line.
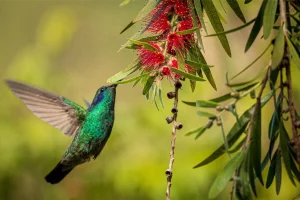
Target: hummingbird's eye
pixel 102 89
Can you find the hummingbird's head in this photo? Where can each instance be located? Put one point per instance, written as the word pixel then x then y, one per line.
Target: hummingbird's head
pixel 105 93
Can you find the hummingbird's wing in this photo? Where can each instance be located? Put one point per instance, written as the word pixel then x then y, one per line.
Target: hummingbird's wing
pixel 51 108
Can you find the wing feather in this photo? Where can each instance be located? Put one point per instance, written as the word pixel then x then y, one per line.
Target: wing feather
pixel 49 107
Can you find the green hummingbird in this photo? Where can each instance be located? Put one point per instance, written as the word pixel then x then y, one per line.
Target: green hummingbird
pixel 90 127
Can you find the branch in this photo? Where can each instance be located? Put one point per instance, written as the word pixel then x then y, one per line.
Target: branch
pixel 250 130
pixel 176 125
pixel 286 64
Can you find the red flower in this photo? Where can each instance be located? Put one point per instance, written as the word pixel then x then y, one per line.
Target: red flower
pixel 151 59
pixel 173 63
pixel 182 8
pixel 165 70
pixel 189 68
pixel 160 25
pixel 175 42
pixel 186 25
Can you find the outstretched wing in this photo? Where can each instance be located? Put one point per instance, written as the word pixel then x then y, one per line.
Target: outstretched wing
pixel 51 108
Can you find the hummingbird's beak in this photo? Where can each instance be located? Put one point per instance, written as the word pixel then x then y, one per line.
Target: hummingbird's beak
pixel 113 85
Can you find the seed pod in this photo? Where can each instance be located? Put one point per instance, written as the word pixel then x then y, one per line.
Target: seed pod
pixel 169 119
pixel 174 110
pixel 171 95
pixel 178 126
pixel 178 84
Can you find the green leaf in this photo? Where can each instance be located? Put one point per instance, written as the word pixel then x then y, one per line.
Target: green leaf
pixel 133 79
pixel 284 144
pixel 269 17
pixel 198 131
pixel 249 81
pixel 206 114
pixel 228 96
pixel 278 173
pixel 237 147
pixel 187 75
pixel 235 132
pixel 232 30
pixel 148 84
pixel 214 18
pixel 255 145
pixel 151 4
pixel 273 78
pixel 124 73
pixel 206 104
pixel 293 53
pixel 251 64
pixel 247 1
pixel 149 39
pixel 236 9
pixel 199 11
pixel 160 97
pixel 295 170
pixel 225 175
pixel 271 172
pixel 144 44
pixel 278 50
pixel 195 22
pixel 205 69
pixel 257 26
pixel 233 135
pixel 185 32
pixel 251 174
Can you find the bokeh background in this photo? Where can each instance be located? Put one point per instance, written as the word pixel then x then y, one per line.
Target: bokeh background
pixel 70 48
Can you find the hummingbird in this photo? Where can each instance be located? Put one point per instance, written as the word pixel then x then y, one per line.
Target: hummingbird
pixel 90 127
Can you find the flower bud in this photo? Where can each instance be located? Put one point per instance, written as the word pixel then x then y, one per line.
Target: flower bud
pixel 235 95
pixel 252 94
pixel 209 123
pixel 219 108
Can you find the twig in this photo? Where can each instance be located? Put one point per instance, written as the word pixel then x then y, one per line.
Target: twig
pixel 251 126
pixel 286 60
pixel 176 125
pixel 233 184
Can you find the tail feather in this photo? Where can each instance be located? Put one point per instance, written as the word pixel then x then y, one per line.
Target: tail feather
pixel 57 174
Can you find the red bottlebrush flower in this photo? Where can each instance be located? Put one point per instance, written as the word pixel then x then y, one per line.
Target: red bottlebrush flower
pixel 160 25
pixel 182 8
pixel 173 63
pixel 175 42
pixel 185 25
pixel 151 59
pixel 165 70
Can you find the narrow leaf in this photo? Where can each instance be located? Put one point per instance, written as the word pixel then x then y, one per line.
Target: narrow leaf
pixel 269 17
pixel 144 44
pixel 206 114
pixel 293 53
pixel 148 84
pixel 236 9
pixel 133 79
pixel 206 104
pixel 251 175
pixel 232 30
pixel 214 18
pixel 278 50
pixel 124 73
pixel 194 131
pixel 278 173
pixel 225 175
pixel 187 75
pixel 284 145
pixel 255 145
pixel 257 25
pixel 271 172
pixel 199 11
pixel 185 32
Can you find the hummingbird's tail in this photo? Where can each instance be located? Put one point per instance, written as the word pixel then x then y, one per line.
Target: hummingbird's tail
pixel 57 174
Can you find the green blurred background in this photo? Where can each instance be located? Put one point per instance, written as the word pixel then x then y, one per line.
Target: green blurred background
pixel 70 48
